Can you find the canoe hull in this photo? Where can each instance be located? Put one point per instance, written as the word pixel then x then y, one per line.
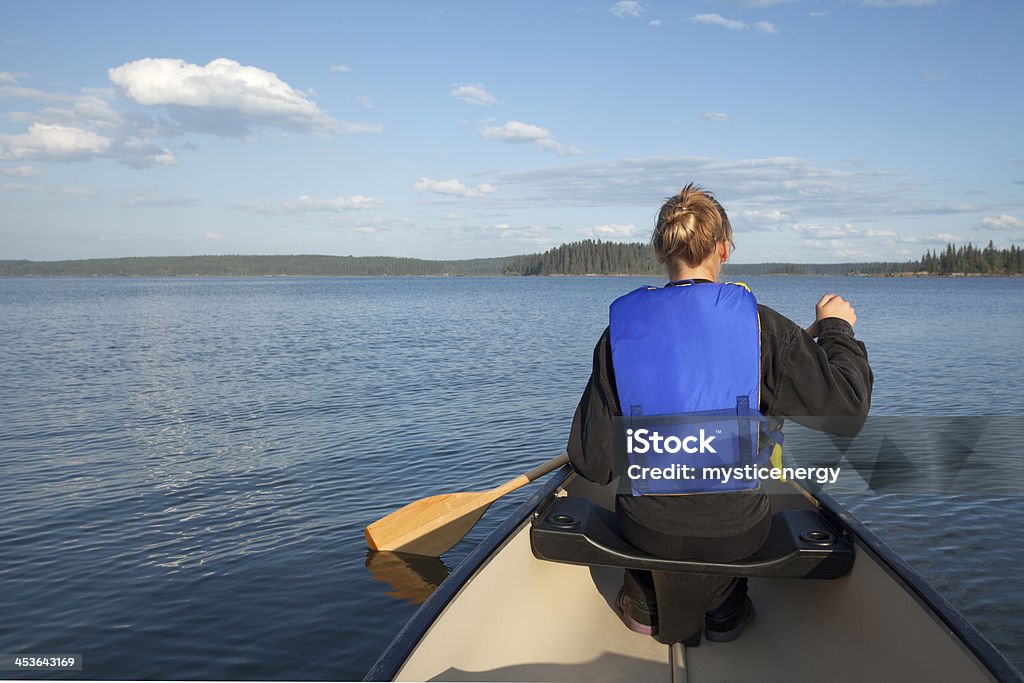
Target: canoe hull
pixel 505 615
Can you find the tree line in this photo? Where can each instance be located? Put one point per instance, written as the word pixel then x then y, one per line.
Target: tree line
pixel 971 259
pixel 588 257
pixel 594 257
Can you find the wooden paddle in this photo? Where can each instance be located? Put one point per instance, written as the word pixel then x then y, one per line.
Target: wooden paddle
pixel 430 526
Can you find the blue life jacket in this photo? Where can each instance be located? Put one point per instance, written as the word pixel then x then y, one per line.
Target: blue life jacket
pixel 692 351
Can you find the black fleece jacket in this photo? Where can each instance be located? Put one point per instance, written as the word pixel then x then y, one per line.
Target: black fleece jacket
pixel 800 377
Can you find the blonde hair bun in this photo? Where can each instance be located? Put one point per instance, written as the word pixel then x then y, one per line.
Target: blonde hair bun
pixel 690 225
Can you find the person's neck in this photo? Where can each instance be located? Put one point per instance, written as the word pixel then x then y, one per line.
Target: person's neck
pixel 681 271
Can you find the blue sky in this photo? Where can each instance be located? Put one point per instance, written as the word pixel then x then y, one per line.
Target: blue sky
pixel 829 130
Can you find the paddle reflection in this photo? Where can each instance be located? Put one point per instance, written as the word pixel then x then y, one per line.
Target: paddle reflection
pixel 410 577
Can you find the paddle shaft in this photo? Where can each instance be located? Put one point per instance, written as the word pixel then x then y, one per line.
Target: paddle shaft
pixel 549 466
pixel 524 479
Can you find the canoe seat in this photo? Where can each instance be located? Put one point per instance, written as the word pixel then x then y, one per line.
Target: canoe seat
pixel 800 545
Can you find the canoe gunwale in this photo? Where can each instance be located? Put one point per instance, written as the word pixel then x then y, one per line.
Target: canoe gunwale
pixel 395 655
pixel 987 655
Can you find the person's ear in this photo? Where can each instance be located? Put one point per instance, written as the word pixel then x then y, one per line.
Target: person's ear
pixel 661 257
pixel 723 251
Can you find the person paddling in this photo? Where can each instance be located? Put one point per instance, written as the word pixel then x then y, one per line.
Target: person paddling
pixel 673 350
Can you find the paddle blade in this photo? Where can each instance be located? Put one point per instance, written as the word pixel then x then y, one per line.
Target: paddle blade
pixel 429 526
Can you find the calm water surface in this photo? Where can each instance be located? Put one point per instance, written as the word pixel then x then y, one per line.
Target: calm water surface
pixel 186 465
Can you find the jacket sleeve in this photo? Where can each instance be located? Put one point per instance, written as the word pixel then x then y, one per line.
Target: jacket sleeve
pixel 590 439
pixel 824 384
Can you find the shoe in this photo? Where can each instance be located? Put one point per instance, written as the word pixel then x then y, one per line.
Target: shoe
pixel 638 617
pixel 723 631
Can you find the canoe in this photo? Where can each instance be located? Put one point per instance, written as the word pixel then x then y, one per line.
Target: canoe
pixel 533 603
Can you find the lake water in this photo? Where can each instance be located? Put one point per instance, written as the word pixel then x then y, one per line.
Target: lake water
pixel 186 465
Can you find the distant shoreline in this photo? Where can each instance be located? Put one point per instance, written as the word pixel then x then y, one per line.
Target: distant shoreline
pixel 226 276
pixel 585 258
pixel 589 258
pixel 942 275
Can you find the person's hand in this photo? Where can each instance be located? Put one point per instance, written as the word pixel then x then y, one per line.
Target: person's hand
pixel 832 306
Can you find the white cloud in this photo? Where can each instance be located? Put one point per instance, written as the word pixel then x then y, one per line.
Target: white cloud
pixel 1003 222
pixel 941 238
pixel 340 68
pixel 719 20
pixel 904 3
pixel 307 203
pixel 61 143
pixel 164 158
pixel 20 92
pixel 141 153
pixel 532 235
pixel 766 27
pixel 841 239
pixel 156 201
pixel 214 236
pixel 838 248
pixel 756 215
pixel 715 116
pixel 610 231
pixel 365 101
pixel 76 192
pixel 452 187
pixel 517 132
pixel 758 3
pixel 474 93
pixel 7 77
pixel 96 110
pixel 937 74
pixel 817 15
pixel 535 235
pixel 627 8
pixel 371 224
pixel 19 171
pixel 86 112
pixel 882 234
pixel 916 208
pixel 806 192
pixel 61 192
pixel 846 231
pixel 656 23
pixel 825 232
pixel 130 133
pixel 224 97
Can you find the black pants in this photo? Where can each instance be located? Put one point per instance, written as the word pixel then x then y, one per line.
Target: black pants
pixel 727 593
